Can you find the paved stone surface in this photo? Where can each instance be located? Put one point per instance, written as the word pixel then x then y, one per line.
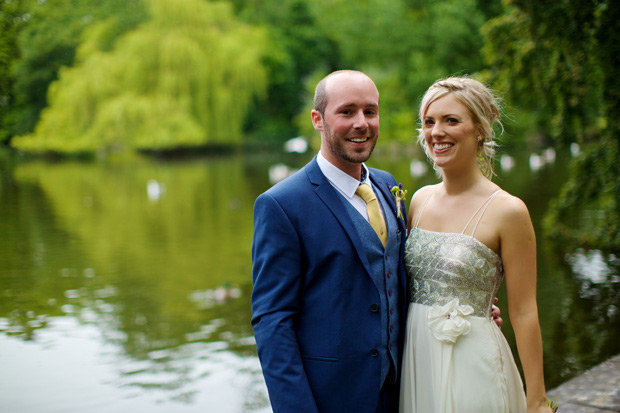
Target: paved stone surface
pixel 595 391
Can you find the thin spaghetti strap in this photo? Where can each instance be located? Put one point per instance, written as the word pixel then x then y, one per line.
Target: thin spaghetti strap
pixel 485 204
pixel 417 221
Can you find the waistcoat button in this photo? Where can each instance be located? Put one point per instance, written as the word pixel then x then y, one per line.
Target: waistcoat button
pixel 374 308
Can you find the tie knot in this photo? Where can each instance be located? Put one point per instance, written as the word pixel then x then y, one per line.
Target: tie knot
pixel 365 192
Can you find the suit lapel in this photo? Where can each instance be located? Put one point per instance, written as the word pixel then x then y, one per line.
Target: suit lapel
pixel 332 200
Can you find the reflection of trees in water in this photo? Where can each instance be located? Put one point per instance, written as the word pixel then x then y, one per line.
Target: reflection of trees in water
pixel 160 351
pixel 588 326
pixel 156 256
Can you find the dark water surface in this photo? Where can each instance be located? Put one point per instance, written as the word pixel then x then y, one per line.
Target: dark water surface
pixel 126 286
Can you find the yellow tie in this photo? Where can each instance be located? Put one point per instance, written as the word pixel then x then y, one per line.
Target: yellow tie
pixel 374 214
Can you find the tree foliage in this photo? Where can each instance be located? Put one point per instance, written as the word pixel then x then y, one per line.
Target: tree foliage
pixel 182 78
pixel 559 60
pixel 404 44
pixel 298 47
pixel 49 33
pixel 12 19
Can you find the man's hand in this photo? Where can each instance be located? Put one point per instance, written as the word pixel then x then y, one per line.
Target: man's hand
pixel 495 312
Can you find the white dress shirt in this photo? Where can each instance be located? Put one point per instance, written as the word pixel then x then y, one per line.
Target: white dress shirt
pixel 346 184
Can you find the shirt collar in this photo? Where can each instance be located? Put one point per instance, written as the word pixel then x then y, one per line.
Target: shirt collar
pixel 344 182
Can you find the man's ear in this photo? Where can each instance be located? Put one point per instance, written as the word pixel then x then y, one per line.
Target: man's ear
pixel 317 120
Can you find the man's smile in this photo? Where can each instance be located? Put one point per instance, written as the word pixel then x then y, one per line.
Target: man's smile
pixel 359 140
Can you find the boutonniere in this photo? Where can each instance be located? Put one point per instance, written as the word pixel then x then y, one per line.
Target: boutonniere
pixel 399 194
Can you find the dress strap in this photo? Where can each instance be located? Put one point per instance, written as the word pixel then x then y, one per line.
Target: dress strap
pixel 482 207
pixel 417 220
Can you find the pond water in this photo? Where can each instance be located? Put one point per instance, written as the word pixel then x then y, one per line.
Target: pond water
pixel 126 286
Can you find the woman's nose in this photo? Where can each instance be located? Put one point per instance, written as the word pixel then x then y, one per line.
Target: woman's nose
pixel 437 130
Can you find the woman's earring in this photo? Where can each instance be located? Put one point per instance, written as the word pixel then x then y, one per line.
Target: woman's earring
pixel 479 138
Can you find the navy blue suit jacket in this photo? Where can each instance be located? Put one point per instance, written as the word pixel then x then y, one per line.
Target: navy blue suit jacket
pixel 313 297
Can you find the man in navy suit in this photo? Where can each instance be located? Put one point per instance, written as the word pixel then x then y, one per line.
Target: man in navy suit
pixel 329 297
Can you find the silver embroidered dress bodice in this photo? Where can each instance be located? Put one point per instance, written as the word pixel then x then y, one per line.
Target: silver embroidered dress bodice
pixel 444 266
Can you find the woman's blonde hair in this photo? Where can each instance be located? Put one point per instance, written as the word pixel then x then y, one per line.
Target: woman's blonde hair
pixel 484 107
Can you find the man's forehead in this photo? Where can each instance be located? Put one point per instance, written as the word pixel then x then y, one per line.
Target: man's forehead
pixel 354 104
pixel 352 90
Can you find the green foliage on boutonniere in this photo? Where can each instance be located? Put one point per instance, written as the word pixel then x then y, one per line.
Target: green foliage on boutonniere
pixel 399 194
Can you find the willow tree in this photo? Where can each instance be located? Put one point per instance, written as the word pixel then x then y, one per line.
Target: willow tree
pixel 45 37
pixel 183 78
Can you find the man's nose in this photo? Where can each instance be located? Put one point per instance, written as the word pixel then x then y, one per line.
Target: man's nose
pixel 360 120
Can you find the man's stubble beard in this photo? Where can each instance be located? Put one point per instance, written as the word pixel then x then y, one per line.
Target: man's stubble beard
pixel 336 146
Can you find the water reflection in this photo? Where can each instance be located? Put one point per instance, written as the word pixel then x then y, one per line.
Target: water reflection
pixel 162 274
pixel 592 265
pixel 127 286
pixel 79 368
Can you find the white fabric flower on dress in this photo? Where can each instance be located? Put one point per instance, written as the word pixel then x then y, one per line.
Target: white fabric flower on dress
pixel 448 322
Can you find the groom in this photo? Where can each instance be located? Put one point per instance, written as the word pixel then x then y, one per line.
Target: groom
pixel 329 295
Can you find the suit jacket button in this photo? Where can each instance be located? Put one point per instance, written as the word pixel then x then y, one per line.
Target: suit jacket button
pixel 374 308
pixel 374 352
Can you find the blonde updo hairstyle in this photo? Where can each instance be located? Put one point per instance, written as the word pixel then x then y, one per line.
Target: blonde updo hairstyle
pixel 483 106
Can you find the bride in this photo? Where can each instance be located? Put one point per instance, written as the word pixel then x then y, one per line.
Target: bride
pixel 465 235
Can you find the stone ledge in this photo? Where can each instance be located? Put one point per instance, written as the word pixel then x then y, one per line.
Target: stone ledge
pixel 595 391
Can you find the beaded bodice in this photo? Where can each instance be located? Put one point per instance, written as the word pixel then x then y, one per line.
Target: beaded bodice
pixel 443 266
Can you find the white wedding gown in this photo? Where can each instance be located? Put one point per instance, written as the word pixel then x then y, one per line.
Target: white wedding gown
pixel 455 358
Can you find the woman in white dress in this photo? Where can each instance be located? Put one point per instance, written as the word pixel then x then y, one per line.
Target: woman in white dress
pixel 466 235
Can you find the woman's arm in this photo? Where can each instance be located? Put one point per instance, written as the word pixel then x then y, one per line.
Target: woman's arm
pixel 518 252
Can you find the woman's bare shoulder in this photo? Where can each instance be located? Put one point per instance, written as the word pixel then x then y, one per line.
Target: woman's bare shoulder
pixel 424 191
pixel 511 210
pixel 417 199
pixel 421 195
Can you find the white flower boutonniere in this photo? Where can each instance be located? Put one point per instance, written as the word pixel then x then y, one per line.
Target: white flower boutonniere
pixel 399 194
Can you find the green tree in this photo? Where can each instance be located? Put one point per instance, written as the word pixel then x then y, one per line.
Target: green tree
pixel 183 78
pixel 49 33
pixel 300 46
pixel 560 61
pixel 12 17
